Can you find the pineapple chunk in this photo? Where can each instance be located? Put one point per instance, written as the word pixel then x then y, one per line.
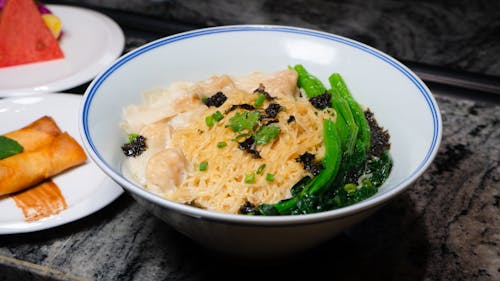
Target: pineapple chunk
pixel 54 23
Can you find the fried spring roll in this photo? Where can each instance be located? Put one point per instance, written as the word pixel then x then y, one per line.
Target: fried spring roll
pixel 37 134
pixel 29 168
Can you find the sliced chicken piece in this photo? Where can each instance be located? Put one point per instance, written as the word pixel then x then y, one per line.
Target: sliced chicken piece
pixel 281 82
pixel 213 85
pixel 157 135
pixel 160 104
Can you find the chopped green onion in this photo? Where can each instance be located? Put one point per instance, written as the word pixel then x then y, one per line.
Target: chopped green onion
pixel 250 178
pixel 350 187
pixel 209 120
pixel 203 166
pixel 261 169
pixel 217 116
pixel 260 100
pixel 366 182
pixel 204 99
pixel 132 137
pixel 269 177
pixel 221 144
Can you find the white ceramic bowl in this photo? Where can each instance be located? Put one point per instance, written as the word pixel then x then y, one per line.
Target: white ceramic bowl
pixel 400 100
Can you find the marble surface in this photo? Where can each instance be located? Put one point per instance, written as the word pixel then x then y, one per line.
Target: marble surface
pixel 446 226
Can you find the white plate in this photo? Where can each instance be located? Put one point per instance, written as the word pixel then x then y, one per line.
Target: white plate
pixel 85 188
pixel 91 41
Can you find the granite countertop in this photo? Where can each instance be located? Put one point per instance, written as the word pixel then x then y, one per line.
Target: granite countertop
pixel 446 226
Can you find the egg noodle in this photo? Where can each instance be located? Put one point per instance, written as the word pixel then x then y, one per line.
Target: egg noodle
pixel 222 184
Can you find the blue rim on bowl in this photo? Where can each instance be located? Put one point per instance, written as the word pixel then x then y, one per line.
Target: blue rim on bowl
pixel 278 220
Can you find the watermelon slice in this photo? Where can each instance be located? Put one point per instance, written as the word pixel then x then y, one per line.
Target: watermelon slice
pixel 24 37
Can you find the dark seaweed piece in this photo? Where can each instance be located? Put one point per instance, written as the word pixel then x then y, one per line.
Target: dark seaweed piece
pixel 310 164
pixel 243 106
pixel 307 157
pixel 248 209
pixel 353 175
pixel 216 100
pixel 291 118
pixel 379 138
pixel 248 145
pixel 314 168
pixel 262 90
pixel 136 147
pixel 322 101
pixel 272 110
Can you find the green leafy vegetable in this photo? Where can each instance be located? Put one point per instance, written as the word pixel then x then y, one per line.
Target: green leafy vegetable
pixel 299 186
pixel 378 170
pixel 244 121
pixel 221 144
pixel 266 134
pixel 9 147
pixel 351 174
pixel 363 142
pixel 348 130
pixel 311 85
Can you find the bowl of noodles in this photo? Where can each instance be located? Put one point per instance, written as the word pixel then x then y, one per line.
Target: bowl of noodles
pixel 260 141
